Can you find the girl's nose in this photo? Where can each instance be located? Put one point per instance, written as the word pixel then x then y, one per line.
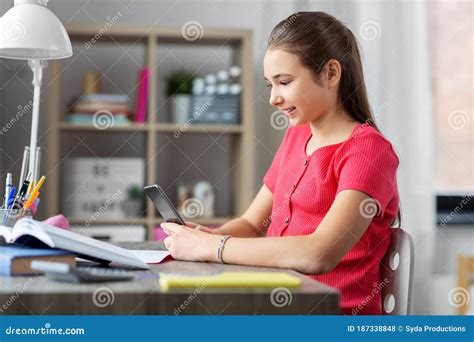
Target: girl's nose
pixel 275 100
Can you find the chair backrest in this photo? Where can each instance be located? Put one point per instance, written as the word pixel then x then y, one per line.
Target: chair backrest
pixel 397 274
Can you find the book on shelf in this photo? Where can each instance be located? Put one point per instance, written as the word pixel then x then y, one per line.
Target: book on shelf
pixel 120 119
pixel 104 97
pixel 87 106
pixel 142 95
pixel 92 107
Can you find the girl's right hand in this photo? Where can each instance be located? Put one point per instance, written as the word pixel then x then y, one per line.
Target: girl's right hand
pixel 202 228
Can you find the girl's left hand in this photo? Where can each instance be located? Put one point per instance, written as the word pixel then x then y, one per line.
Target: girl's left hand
pixel 190 244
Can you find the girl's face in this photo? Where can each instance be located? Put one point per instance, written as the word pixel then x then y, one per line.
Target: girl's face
pixel 293 89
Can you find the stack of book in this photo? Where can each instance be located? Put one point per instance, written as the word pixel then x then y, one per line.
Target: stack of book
pixel 89 107
pixel 30 240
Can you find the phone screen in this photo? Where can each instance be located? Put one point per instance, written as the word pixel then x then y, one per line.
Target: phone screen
pixel 163 204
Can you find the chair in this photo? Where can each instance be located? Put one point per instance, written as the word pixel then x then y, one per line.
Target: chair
pixel 397 267
pixel 465 272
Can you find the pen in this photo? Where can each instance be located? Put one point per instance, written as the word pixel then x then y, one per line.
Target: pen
pixel 10 198
pixel 8 186
pixel 30 187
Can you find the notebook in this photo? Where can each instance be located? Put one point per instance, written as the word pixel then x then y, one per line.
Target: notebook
pixel 32 233
pixel 169 281
pixel 16 260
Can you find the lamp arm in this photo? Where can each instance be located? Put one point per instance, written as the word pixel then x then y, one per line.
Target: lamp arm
pixel 36 66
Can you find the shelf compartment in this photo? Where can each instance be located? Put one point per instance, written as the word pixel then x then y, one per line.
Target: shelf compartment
pixel 66 126
pixel 209 128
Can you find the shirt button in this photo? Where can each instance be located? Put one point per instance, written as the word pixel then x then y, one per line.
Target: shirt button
pixel 293 186
pixel 287 219
pixel 306 161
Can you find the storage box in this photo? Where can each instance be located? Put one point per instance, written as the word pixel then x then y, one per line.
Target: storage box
pixel 113 233
pixel 222 109
pixel 98 188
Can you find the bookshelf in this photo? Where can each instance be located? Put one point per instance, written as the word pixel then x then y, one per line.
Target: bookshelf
pixel 148 44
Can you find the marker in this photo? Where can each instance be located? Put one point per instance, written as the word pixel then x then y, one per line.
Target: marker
pixel 8 186
pixel 35 193
pixel 20 196
pixel 31 200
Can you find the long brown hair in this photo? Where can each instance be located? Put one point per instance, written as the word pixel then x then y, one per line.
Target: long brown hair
pixel 317 37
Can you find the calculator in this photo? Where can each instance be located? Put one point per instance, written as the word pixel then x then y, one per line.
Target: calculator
pixel 62 272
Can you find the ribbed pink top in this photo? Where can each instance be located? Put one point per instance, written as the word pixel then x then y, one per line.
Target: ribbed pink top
pixel 304 188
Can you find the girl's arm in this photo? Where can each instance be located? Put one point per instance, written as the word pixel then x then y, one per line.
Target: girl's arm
pixel 316 253
pixel 253 223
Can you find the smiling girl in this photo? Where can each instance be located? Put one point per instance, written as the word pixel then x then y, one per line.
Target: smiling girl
pixel 330 194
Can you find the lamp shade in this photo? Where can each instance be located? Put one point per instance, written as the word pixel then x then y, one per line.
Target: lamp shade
pixel 29 30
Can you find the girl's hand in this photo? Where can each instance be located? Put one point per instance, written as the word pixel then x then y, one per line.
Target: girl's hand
pixel 190 244
pixel 202 228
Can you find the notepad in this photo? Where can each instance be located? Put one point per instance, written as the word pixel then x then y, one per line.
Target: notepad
pixel 150 257
pixel 170 281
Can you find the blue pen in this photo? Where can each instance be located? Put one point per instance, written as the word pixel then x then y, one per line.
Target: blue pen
pixel 11 197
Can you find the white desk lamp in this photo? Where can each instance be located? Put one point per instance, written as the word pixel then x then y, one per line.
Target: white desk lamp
pixel 30 31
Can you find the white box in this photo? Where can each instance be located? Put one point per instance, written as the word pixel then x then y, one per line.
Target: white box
pixel 99 187
pixel 135 233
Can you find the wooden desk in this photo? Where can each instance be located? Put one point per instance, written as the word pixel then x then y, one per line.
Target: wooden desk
pixel 39 296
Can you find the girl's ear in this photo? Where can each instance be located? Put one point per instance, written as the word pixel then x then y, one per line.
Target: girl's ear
pixel 333 73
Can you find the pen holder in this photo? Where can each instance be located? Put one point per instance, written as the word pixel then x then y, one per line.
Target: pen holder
pixel 8 217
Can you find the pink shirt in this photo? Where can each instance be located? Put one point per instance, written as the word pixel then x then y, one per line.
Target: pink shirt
pixel 304 188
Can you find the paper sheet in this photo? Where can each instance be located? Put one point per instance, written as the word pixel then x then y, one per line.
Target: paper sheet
pixel 150 257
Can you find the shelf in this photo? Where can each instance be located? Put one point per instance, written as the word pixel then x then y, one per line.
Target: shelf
pixel 149 46
pixel 197 128
pixel 66 126
pixel 78 31
pixel 158 127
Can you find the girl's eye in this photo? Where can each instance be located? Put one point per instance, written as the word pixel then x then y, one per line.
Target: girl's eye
pixel 269 85
pixel 284 83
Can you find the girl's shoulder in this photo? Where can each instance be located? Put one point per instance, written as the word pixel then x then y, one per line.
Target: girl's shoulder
pixel 366 139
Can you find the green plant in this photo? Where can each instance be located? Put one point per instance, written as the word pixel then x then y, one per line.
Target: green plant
pixel 180 82
pixel 135 193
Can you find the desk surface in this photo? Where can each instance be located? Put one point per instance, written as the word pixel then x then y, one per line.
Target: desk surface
pixel 39 296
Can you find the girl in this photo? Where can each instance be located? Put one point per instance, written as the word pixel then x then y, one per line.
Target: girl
pixel 330 194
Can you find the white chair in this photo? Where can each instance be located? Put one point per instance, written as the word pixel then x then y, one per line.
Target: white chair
pixel 397 269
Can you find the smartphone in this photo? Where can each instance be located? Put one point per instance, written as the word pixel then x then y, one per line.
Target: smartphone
pixel 163 204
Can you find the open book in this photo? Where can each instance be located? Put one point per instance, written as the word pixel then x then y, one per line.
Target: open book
pixel 28 232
